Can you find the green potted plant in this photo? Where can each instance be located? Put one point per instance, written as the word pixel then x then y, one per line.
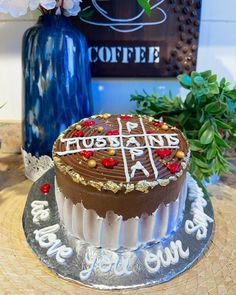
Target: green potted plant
pixel 206 116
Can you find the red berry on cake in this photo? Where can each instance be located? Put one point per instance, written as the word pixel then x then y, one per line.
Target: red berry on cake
pixel 163 153
pixel 157 124
pixel 45 188
pixel 79 134
pixel 173 168
pixel 125 117
pixel 112 132
pixel 88 123
pixel 86 154
pixel 109 163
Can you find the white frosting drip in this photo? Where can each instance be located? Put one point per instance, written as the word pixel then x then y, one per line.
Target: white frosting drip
pixel 123 151
pixel 47 238
pixel 112 232
pixel 138 166
pixel 39 212
pixel 130 126
pixel 149 150
pixel 170 255
pixel 199 224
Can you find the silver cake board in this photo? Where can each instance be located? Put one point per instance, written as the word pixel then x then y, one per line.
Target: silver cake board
pixel 104 269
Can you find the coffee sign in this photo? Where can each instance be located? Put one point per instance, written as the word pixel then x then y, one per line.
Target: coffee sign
pixel 125 42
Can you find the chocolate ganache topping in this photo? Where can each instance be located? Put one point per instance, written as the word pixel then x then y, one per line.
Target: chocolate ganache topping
pixel 121 152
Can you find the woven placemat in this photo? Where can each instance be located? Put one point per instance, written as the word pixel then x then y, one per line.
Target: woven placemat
pixel 22 273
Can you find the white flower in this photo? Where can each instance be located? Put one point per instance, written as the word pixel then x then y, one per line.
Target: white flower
pixel 71 7
pixel 19 7
pixel 14 7
pixel 48 4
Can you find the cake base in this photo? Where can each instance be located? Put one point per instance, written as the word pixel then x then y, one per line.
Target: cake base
pixel 105 269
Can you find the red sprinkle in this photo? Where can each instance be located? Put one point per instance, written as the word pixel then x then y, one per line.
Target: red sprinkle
pixel 109 163
pixel 45 188
pixel 125 117
pixel 79 134
pixel 163 153
pixel 156 124
pixel 88 123
pixel 112 132
pixel 86 154
pixel 173 167
pixel 150 132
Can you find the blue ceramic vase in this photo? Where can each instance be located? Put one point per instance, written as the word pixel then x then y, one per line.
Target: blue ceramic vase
pixel 57 82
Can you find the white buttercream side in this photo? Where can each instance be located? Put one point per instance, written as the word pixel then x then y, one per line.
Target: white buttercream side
pixel 59 199
pixel 78 221
pixel 147 227
pixel 111 228
pixel 112 232
pixel 67 214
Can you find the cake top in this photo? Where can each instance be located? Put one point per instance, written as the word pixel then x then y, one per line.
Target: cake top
pixel 115 152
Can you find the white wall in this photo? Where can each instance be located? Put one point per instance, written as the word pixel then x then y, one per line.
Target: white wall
pixel 217 51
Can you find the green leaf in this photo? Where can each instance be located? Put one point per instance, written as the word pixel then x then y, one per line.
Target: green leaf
pixel 216 107
pixel 212 151
pixel 222 83
pixel 205 126
pixel 213 88
pixel 207 136
pixel 201 163
pixel 86 14
pixel 199 81
pixel 222 125
pixel 145 5
pixel 231 94
pixel 206 74
pixel 221 142
pixel 185 81
pixel 189 101
pixel 195 145
pixel 212 79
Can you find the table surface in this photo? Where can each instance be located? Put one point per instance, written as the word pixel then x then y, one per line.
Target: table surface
pixel 22 273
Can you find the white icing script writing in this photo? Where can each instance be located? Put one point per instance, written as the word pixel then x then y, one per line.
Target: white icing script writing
pixel 39 212
pixel 170 255
pixel 123 264
pixel 47 238
pixel 200 221
pixel 105 262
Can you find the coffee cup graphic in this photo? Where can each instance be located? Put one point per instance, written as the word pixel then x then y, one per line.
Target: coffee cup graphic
pixel 134 18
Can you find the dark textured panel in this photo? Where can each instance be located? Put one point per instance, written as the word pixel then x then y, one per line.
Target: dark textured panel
pixel 164 46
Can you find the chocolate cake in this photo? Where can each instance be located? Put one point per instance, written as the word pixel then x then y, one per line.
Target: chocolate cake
pixel 121 180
